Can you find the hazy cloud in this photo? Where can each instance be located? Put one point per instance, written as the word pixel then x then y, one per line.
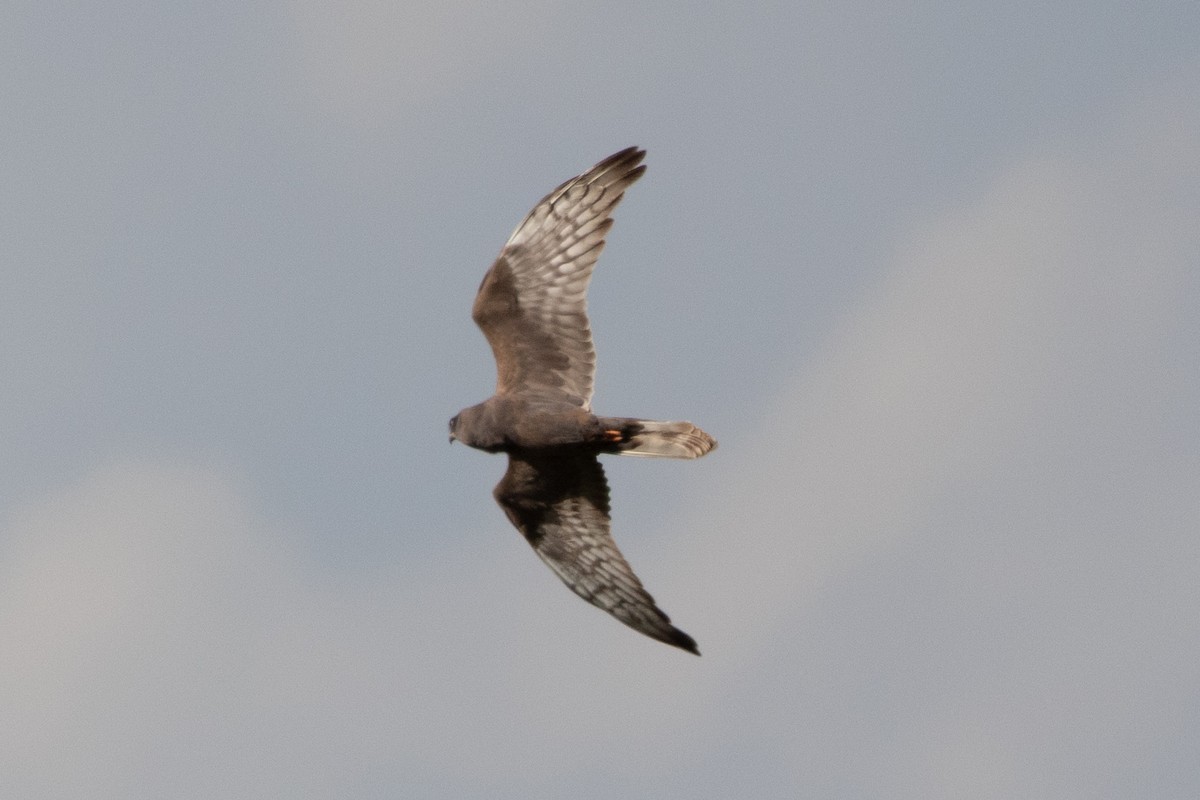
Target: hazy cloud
pixel 928 280
pixel 968 523
pixel 958 558
pixel 378 60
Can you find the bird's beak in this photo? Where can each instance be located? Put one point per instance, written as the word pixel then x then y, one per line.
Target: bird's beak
pixel 452 438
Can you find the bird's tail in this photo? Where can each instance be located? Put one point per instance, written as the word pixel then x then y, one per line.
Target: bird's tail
pixel 649 438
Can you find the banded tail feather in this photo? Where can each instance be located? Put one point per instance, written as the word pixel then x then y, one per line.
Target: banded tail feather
pixel 647 438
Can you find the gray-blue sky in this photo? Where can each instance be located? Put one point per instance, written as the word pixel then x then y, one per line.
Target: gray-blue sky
pixel 930 277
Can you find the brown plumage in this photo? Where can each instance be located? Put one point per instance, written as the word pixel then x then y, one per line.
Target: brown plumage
pixel 532 307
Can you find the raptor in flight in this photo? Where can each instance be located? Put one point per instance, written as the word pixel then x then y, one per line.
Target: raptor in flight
pixel 532 307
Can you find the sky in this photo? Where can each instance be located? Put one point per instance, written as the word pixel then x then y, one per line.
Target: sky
pixel 929 275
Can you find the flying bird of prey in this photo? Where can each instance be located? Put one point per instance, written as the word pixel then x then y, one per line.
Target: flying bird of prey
pixel 532 307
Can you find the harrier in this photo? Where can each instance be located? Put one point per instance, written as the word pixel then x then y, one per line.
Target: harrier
pixel 532 307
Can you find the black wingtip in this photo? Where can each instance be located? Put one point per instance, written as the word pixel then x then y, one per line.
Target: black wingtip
pixel 629 158
pixel 681 640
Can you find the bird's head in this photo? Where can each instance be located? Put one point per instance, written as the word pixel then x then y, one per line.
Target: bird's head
pixel 476 427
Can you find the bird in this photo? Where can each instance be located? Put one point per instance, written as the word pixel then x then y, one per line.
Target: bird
pixel 532 309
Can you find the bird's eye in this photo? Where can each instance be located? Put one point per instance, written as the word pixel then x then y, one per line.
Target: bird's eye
pixel 453 423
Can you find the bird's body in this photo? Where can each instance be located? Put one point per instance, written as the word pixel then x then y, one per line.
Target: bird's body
pixel 504 422
pixel 532 308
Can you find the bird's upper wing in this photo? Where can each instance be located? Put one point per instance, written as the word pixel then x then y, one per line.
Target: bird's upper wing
pixel 532 303
pixel 560 503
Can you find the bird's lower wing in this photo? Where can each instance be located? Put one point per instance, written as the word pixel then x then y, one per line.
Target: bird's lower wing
pixel 560 503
